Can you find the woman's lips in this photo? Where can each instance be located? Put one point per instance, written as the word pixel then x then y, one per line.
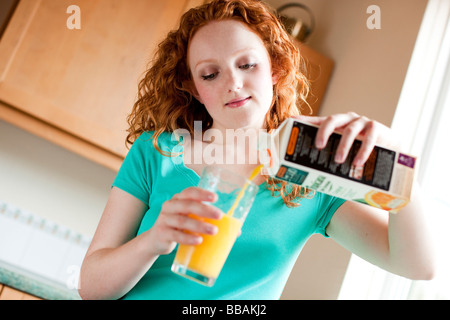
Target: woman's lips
pixel 236 103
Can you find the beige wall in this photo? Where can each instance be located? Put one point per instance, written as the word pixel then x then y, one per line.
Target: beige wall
pixel 56 184
pixel 370 64
pixel 370 67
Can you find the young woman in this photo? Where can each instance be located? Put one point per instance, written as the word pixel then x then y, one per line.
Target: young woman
pixel 231 66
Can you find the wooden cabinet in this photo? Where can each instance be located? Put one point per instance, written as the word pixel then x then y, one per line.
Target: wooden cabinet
pixel 75 87
pixel 8 293
pixel 319 69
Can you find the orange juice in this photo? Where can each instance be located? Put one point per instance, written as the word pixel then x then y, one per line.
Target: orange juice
pixel 208 257
pixel 203 262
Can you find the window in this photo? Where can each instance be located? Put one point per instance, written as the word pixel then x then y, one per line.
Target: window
pixel 422 119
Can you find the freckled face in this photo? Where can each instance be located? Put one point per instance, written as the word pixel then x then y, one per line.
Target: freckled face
pixel 232 74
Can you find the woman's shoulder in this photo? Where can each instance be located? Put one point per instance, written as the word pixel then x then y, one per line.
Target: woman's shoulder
pixel 165 142
pixel 148 136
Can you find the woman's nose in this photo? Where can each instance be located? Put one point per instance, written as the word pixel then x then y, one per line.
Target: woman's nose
pixel 234 82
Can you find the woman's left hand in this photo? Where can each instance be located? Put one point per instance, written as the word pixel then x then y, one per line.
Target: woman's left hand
pixel 351 126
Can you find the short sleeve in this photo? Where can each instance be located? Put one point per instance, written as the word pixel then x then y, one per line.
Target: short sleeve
pixel 134 175
pixel 327 206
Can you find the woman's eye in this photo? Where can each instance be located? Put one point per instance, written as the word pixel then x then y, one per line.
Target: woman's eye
pixel 247 66
pixel 210 76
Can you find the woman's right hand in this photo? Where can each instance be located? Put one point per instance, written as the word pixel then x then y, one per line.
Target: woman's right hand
pixel 175 225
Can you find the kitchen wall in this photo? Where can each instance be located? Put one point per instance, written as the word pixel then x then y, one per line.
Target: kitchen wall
pixel 370 65
pixel 43 178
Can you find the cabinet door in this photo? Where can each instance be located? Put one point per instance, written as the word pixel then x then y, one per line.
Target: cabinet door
pixel 82 81
pixel 7 293
pixel 319 69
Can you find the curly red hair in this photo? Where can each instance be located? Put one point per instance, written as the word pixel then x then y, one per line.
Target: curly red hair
pixel 165 102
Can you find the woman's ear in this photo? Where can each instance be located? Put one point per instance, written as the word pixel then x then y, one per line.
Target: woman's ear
pixel 275 77
pixel 190 86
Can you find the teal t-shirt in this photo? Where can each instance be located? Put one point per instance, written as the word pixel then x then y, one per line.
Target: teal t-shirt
pixel 260 261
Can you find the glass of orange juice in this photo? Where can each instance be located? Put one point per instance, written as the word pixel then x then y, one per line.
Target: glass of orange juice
pixel 203 262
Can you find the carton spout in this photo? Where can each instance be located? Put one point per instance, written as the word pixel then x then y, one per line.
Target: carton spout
pixel 264 149
pixel 267 153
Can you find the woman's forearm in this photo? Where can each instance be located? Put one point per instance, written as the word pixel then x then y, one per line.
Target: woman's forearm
pixel 109 273
pixel 411 247
pixel 400 243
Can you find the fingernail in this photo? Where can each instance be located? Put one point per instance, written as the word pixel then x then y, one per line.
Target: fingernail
pixel 212 229
pixel 219 214
pixel 358 163
pixel 197 240
pixel 319 143
pixel 338 158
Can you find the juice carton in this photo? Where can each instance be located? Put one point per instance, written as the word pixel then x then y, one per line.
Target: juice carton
pixel 385 180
